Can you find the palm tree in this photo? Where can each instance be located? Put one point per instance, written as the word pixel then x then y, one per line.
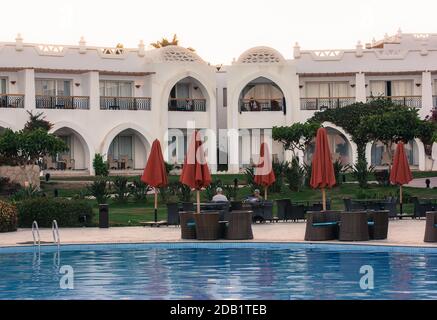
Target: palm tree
pixel 165 42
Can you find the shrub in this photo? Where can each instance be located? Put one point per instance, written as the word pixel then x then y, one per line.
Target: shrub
pixel 139 189
pixel 99 190
pixel 295 175
pixel 307 170
pixel 383 177
pixel 279 169
pixel 231 191
pixel 68 213
pixel 339 168
pixel 121 189
pixel 361 172
pixel 8 217
pixel 26 193
pixel 182 191
pixel 7 187
pixel 100 166
pixel 250 178
pixel 210 190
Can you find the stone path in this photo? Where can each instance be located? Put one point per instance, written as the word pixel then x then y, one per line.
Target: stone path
pixel 401 232
pixel 420 183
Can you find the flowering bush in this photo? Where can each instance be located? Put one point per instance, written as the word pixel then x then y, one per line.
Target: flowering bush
pixel 8 217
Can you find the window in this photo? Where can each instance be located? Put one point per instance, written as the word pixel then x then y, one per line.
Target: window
pixel 327 89
pixel 52 87
pixel 121 146
pixel 110 88
pixel 2 86
pixel 393 88
pixel 225 97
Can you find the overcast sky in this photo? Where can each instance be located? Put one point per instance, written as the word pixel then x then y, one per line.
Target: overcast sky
pixel 219 30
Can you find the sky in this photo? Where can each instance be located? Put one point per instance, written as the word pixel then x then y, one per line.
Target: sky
pixel 219 30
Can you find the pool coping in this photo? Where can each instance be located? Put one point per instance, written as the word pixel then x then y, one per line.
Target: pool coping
pixel 327 246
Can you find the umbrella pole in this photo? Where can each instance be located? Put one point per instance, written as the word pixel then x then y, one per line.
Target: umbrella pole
pixel 324 199
pixel 198 200
pixel 156 206
pixel 400 199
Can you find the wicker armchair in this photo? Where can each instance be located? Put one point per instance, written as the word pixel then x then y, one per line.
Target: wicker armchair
pixel 321 225
pixel 354 226
pixel 377 222
pixel 207 225
pixel 239 225
pixel 431 227
pixel 236 205
pixel 188 226
pixel 188 206
pixel 282 205
pixel 173 214
pixel 296 212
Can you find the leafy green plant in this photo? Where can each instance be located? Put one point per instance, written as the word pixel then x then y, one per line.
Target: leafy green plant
pixel 138 189
pixel 180 190
pixel 121 189
pixel 250 179
pixel 99 190
pixel 8 217
pixel 210 190
pixel 68 213
pixel 230 191
pixel 383 177
pixel 339 168
pixel 26 193
pixel 295 175
pixel 100 166
pixel 279 169
pixel 361 172
pixel 307 169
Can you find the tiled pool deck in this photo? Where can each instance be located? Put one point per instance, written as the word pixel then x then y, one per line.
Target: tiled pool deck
pixel 401 233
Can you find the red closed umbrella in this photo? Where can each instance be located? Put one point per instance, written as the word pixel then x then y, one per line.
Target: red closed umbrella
pixel 195 171
pixel 400 172
pixel 322 172
pixel 155 174
pixel 264 174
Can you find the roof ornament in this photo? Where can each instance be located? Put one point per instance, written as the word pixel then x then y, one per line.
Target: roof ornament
pixel 296 51
pixel 359 49
pixel 19 42
pixel 82 45
pixel 141 49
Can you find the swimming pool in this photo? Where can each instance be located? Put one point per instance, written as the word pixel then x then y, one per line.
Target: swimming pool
pixel 218 271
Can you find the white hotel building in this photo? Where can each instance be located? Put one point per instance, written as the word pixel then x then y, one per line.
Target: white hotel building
pixel 116 101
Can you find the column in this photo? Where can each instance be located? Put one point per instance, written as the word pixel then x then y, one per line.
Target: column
pixel 360 87
pixel 26 85
pixel 427 102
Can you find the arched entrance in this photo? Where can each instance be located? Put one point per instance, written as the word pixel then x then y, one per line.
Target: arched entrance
pixel 382 158
pixel 261 94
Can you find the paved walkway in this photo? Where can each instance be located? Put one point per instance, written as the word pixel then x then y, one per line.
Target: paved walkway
pixel 420 182
pixel 401 232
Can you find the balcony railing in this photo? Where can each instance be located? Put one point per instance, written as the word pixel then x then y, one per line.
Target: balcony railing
pixel 325 103
pixel 409 101
pixel 62 102
pixel 186 104
pixel 261 105
pixel 11 101
pixel 125 103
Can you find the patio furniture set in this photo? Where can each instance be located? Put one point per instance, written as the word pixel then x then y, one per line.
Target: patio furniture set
pixel 296 210
pixel 347 225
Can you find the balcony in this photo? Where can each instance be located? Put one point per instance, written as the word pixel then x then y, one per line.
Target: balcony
pixel 186 104
pixel 125 103
pixel 409 101
pixel 11 101
pixel 325 103
pixel 249 105
pixel 62 102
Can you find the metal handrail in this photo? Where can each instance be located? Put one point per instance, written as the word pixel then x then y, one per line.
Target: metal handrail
pixel 35 231
pixel 55 232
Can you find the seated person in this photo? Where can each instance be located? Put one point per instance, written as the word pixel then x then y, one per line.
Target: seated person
pixel 219 197
pixel 256 197
pixel 253 105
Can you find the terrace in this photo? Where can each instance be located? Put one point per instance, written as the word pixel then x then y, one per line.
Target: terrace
pixel 11 100
pixel 62 102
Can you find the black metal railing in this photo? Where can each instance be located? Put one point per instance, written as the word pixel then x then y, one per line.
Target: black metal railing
pixel 125 103
pixel 248 105
pixel 409 101
pixel 179 104
pixel 62 102
pixel 325 103
pixel 11 100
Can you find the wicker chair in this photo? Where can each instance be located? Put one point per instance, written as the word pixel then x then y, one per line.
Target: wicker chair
pixel 173 214
pixel 322 225
pixel 431 227
pixel 377 222
pixel 236 205
pixel 282 205
pixel 296 212
pixel 420 209
pixel 239 226
pixel 258 211
pixel 207 225
pixel 354 226
pixel 188 226
pixel 267 207
pixel 188 206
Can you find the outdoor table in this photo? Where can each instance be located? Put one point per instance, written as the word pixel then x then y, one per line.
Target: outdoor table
pixel 207 225
pixel 353 226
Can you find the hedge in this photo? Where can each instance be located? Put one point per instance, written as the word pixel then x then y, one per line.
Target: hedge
pixel 68 213
pixel 8 217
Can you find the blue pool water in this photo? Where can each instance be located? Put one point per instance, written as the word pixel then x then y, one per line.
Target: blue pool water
pixel 211 271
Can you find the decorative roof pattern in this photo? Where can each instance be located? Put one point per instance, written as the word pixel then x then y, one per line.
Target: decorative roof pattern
pixel 178 54
pixel 261 55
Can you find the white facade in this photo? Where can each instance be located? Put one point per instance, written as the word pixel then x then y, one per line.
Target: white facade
pixel 116 101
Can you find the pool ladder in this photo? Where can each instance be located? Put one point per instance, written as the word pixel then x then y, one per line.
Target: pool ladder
pixel 37 238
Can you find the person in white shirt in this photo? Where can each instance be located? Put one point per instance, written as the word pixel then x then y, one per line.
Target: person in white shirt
pixel 219 197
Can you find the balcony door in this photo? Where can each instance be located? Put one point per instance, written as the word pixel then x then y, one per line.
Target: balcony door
pixel 51 87
pixel 327 89
pixel 395 88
